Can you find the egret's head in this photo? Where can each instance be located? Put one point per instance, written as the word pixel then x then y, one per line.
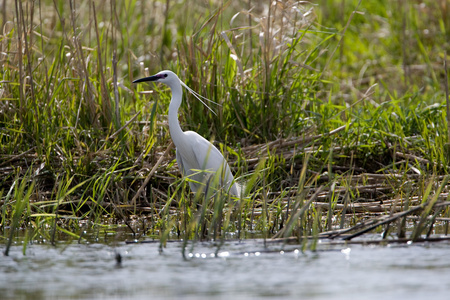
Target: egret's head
pixel 172 80
pixel 167 77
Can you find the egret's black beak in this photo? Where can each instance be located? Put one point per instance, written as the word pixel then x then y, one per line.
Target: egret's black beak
pixel 151 78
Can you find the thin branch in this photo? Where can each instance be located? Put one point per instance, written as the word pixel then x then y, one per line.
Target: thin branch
pixel 133 201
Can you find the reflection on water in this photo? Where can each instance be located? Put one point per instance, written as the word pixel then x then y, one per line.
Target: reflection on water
pixel 241 270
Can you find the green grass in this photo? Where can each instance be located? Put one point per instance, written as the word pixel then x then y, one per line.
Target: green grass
pixel 324 111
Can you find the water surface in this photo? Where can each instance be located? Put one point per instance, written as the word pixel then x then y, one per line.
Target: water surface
pixel 243 270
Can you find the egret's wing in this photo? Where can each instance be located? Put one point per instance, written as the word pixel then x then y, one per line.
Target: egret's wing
pixel 203 155
pixel 187 171
pixel 207 156
pixel 210 159
pixel 215 163
pixel 180 163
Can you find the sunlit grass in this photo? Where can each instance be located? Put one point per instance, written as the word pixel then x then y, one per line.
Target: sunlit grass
pixel 329 112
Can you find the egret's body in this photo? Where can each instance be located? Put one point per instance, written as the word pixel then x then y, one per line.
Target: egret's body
pixel 197 158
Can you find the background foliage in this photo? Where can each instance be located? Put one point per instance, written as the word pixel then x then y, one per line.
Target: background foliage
pixel 307 94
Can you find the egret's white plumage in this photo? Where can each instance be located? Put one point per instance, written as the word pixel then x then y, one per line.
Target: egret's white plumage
pixel 197 158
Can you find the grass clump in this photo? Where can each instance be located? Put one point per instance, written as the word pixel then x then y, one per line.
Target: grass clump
pixel 333 112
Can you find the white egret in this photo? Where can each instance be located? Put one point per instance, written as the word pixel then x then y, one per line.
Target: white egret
pixel 197 158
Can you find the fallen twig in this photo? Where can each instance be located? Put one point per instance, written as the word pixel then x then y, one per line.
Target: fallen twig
pixel 147 179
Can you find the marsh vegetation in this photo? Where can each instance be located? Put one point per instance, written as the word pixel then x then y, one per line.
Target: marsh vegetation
pixel 333 113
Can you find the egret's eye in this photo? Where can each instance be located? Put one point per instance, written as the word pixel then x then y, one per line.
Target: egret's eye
pixel 165 75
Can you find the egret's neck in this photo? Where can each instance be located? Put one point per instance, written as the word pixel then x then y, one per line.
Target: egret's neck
pixel 174 125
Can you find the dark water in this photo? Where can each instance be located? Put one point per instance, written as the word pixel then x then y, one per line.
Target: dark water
pixel 242 270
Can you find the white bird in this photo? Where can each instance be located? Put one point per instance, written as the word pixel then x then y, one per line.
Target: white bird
pixel 198 159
